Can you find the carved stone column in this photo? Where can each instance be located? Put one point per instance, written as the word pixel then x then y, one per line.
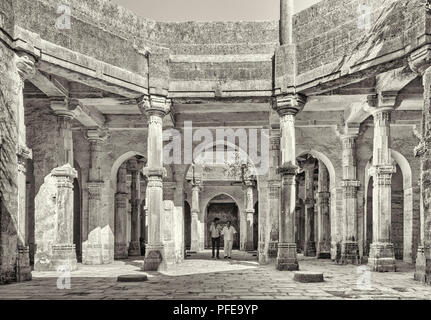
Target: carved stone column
pixel 249 212
pixel 92 249
pixel 194 231
pixel 420 62
pixel 323 215
pixel 350 184
pixel 64 154
pixel 287 106
pixel 121 251
pixel 156 108
pixel 63 249
pixel 26 70
pixel 135 168
pixel 382 256
pixel 310 244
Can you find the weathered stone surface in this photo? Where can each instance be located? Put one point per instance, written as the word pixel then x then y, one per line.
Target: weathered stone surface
pixel 308 277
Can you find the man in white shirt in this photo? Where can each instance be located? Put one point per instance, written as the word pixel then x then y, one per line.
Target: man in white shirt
pixel 228 236
pixel 215 231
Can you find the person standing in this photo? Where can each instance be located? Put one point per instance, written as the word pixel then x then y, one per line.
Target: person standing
pixel 228 236
pixel 215 231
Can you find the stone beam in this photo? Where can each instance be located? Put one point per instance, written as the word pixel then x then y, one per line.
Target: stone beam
pixel 49 85
pixel 88 116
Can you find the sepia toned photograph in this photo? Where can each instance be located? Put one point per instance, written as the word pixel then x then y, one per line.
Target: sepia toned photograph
pixel 215 153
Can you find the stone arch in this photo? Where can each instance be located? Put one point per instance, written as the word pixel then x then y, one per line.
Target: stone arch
pixel 406 171
pixel 207 222
pixel 328 163
pixel 117 163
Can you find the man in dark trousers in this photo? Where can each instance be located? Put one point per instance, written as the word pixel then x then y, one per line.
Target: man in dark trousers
pixel 215 231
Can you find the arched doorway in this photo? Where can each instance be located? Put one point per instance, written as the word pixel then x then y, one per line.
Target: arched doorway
pixel 225 208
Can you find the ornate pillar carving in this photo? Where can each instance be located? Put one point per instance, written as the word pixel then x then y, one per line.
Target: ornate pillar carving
pixel 420 62
pixel 382 256
pixel 249 213
pixel 121 214
pixel 156 108
pixel 63 249
pixel 350 185
pixel 134 167
pixel 26 70
pixel 287 106
pixel 310 244
pixel 323 215
pixel 92 250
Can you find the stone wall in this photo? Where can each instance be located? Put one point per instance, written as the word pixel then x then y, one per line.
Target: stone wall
pixel 9 99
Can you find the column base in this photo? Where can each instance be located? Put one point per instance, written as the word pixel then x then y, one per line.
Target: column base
pixel 92 254
pixel 23 269
pixel 335 251
pixel 120 251
pixel 349 253
pixel 154 259
pixel 134 249
pixel 382 258
pixel 324 250
pixel 310 249
pixel 286 258
pixel 423 266
pixel 64 257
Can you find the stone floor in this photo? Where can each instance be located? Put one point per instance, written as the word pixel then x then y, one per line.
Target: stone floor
pixel 199 277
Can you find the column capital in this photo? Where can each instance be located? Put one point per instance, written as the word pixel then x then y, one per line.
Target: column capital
pixel 383 102
pixel 350 183
pixel 25 64
pixel 154 105
pixel 60 106
pixel 289 104
pixel 249 183
pixel 383 171
pixel 97 135
pixel 288 170
pixel 420 60
pixel 155 172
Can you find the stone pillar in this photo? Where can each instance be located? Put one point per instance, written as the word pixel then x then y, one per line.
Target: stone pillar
pixel 286 18
pixel 194 231
pixel 120 251
pixel 134 167
pixel 26 69
pixel 382 256
pixel 309 244
pixel 420 63
pixel 63 249
pixel 249 213
pixel 350 184
pixel 156 108
pixel 92 248
pixel 64 131
pixel 323 215
pixel 287 106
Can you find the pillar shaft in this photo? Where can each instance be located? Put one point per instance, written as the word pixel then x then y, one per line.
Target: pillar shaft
pixel 382 251
pixel 26 70
pixel 135 167
pixel 196 245
pixel 310 244
pixel 287 106
pixel 423 151
pixel 155 108
pixel 286 19
pixel 323 215
pixel 349 245
pixel 249 213
pixel 92 250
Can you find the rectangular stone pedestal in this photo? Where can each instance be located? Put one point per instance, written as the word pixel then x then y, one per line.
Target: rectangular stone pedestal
pixel 324 250
pixel 134 249
pixel 23 272
pixel 286 259
pixel 423 266
pixel 349 253
pixel 92 254
pixel 310 249
pixel 120 251
pixel 64 257
pixel 154 259
pixel 382 258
